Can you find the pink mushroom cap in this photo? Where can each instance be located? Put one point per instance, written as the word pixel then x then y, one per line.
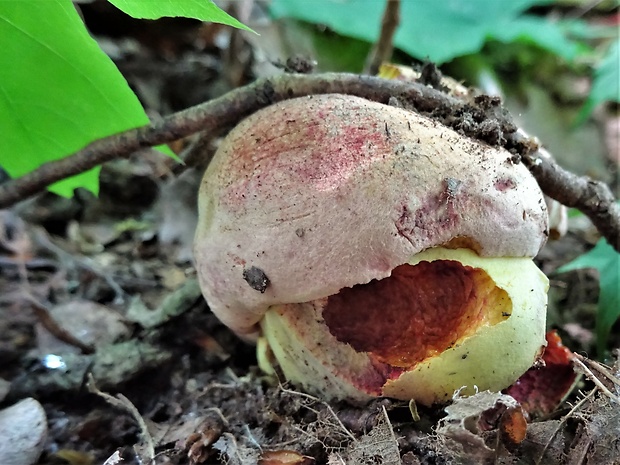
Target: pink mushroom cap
pixel 316 194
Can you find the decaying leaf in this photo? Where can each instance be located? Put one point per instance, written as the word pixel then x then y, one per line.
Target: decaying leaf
pixel 284 457
pixel 177 302
pixel 377 446
pixel 468 418
pixel 114 459
pixel 110 365
pixel 88 322
pixel 233 452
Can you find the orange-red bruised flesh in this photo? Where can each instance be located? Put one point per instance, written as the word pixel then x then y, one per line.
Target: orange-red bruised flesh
pixel 418 312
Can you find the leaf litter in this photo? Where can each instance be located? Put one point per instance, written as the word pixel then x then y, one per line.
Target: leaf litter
pixel 173 383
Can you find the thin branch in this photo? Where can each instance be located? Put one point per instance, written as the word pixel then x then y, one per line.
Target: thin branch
pixel 123 403
pixel 606 371
pixel 592 377
pixel 224 111
pixel 577 406
pixel 593 198
pixel 382 50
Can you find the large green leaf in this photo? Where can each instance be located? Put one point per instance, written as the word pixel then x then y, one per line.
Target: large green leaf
pixel 438 30
pixel 204 10
pixel 606 261
pixel 606 85
pixel 360 19
pixel 58 90
pixel 538 31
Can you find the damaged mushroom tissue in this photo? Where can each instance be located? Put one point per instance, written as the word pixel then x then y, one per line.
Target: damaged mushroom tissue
pixel 373 251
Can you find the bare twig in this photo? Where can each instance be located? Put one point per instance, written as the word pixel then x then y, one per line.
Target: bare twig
pixel 208 117
pixel 577 406
pixel 382 50
pixel 123 403
pixel 592 377
pixel 602 369
pixel 593 198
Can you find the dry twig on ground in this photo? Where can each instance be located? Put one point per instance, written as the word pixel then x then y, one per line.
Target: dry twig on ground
pixel 124 404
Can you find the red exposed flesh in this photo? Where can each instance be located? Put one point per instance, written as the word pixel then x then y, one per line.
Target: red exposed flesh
pixel 540 390
pixel 416 313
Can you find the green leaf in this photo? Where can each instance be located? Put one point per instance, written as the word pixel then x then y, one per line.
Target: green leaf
pixel 204 10
pixel 58 90
pixel 541 32
pixel 606 260
pixel 354 18
pixel 438 30
pixel 606 85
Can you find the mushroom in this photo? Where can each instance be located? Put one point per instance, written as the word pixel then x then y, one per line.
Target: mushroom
pixel 373 251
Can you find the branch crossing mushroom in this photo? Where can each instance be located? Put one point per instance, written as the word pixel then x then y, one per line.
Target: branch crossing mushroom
pixel 373 251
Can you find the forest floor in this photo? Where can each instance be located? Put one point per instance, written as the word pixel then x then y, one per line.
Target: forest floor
pixel 99 299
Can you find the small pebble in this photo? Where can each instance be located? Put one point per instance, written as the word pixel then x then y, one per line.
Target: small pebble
pixel 23 430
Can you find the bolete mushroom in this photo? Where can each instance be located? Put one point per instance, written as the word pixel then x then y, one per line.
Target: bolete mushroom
pixel 375 251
